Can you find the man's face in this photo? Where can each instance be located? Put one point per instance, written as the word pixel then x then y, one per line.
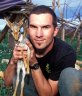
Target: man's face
pixel 41 30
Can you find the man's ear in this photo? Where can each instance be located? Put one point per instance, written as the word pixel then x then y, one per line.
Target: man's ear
pixel 56 31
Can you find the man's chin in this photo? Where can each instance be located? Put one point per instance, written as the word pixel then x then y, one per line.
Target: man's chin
pixel 40 47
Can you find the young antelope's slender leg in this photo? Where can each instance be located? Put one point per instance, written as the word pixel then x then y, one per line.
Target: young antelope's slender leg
pixel 17 80
pixel 16 86
pixel 23 76
pixel 26 61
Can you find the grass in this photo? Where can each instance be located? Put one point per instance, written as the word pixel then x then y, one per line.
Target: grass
pixel 5 52
pixel 74 45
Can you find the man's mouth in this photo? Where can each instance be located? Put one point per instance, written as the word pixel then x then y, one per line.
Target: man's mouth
pixel 39 40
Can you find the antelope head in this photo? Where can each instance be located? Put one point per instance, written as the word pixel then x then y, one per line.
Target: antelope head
pixel 15 27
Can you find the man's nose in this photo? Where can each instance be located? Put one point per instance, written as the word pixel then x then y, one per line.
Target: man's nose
pixel 39 32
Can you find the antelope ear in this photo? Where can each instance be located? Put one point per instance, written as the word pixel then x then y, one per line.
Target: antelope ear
pixel 56 31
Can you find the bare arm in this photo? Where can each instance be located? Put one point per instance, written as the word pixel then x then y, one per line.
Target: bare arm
pixel 43 86
pixel 10 72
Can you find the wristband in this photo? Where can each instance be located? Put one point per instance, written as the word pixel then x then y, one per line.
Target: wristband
pixel 35 66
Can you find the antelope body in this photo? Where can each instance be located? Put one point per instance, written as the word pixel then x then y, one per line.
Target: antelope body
pixel 22 64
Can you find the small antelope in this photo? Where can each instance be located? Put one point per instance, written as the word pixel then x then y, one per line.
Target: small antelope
pixel 21 64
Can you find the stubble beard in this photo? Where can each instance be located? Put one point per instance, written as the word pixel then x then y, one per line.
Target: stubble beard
pixel 45 50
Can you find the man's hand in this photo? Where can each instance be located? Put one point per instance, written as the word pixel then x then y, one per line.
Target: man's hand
pixel 19 51
pixel 33 59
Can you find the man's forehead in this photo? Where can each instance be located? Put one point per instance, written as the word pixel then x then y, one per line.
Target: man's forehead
pixel 43 19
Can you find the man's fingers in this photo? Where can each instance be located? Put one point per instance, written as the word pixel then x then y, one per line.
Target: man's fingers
pixel 29 45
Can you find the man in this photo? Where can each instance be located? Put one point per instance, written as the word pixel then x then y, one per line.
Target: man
pixel 49 55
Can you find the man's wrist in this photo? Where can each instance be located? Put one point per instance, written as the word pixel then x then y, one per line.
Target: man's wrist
pixel 34 66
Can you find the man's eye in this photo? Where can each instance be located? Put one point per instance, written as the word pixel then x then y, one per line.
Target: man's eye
pixel 46 27
pixel 32 26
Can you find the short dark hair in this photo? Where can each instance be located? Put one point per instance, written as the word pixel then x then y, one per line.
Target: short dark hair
pixel 44 9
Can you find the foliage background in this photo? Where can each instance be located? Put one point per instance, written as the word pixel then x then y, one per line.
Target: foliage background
pixel 5 52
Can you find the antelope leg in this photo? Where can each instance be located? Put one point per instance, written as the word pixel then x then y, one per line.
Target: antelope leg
pixel 15 91
pixel 22 82
pixel 22 87
pixel 17 80
pixel 26 64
